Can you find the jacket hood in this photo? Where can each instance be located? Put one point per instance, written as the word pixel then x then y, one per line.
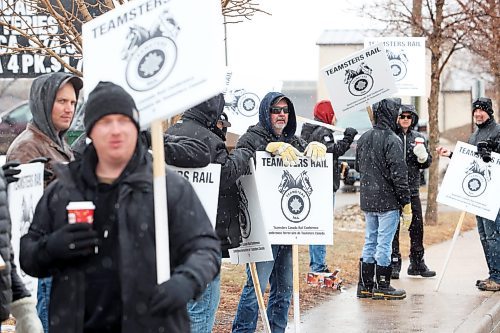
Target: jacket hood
pixel 265 116
pixel 323 111
pixel 385 113
pixel 42 95
pixel 408 108
pixel 207 112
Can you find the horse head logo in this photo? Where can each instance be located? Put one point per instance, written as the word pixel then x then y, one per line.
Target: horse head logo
pixel 135 37
pixel 304 182
pixel 286 183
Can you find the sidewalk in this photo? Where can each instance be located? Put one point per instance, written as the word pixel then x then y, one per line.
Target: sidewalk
pixel 458 306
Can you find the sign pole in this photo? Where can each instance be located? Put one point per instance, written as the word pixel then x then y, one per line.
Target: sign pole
pixel 260 299
pixel 455 236
pixel 160 200
pixel 370 114
pixel 296 287
pixel 314 122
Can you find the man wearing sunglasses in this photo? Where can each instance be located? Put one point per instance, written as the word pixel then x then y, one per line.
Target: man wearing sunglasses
pixel 417 157
pixel 275 133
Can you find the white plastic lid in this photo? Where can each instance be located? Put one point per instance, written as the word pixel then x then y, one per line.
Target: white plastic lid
pixel 80 205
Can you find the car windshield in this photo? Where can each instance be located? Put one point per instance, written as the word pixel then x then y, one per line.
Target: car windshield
pixel 356 119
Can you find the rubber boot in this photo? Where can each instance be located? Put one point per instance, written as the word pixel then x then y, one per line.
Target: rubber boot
pixel 418 267
pixel 382 288
pixel 365 284
pixel 396 265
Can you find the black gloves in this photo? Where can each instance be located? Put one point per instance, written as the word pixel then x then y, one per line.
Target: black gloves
pixel 47 174
pixel 173 294
pixel 72 241
pixel 351 132
pixel 10 172
pixel 493 145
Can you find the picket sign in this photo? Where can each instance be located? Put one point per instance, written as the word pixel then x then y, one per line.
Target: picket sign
pixel 148 38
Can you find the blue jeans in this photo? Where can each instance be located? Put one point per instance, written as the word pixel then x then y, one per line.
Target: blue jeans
pixel 489 234
pixel 280 276
pixel 43 301
pixel 317 254
pixel 379 233
pixel 202 310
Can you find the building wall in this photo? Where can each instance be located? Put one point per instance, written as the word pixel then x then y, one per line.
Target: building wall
pixel 455 109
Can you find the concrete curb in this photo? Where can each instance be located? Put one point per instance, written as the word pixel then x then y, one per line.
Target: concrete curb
pixel 485 318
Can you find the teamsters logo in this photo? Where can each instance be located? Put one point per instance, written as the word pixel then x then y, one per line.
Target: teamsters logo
pixel 397 61
pixel 295 202
pixel 150 54
pixel 476 179
pixel 359 81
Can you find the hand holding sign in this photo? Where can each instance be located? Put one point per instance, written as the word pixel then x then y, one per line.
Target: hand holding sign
pixel 316 151
pixel 286 151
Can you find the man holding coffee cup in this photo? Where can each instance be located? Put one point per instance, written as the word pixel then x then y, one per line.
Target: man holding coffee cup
pixel 417 157
pixel 104 273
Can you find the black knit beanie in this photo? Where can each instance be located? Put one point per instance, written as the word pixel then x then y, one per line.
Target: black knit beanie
pixel 484 104
pixel 109 98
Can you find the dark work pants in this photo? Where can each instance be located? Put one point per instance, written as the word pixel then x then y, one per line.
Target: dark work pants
pixel 416 232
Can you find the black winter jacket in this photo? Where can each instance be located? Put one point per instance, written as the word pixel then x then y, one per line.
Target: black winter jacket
pixel 324 135
pixel 414 166
pixel 380 162
pixel 196 123
pixel 194 248
pixel 488 130
pixel 258 136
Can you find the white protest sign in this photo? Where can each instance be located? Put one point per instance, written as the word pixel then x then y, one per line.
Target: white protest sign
pixel 23 197
pixel 242 99
pixel 470 184
pixel 255 246
pixel 297 202
pixel 168 56
pixel 205 182
pixel 407 61
pixel 361 79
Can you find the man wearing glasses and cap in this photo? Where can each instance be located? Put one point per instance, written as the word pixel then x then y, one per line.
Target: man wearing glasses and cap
pixel 274 133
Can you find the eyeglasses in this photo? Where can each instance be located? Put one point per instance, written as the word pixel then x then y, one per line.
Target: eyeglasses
pixel 402 116
pixel 278 109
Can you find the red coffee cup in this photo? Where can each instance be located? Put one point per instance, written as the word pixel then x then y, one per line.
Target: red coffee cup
pixel 80 212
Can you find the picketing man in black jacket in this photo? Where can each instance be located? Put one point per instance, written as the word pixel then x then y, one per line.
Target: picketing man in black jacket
pixel 15 298
pixel 323 112
pixel 487 139
pixel 104 273
pixel 274 133
pixel 200 123
pixel 417 157
pixel 383 192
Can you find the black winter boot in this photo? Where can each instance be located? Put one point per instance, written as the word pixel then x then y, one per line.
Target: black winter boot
pixel 396 265
pixel 365 284
pixel 418 267
pixel 383 288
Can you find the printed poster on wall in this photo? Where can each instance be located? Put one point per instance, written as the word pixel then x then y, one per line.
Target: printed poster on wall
pixel 470 184
pixel 255 246
pixel 242 99
pixel 406 57
pixel 361 79
pixel 23 197
pixel 205 182
pixel 168 56
pixel 297 202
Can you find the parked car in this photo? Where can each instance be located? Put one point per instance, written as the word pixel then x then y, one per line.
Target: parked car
pixel 12 122
pixel 361 122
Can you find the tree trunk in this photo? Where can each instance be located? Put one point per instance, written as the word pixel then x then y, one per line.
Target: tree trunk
pixel 433 104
